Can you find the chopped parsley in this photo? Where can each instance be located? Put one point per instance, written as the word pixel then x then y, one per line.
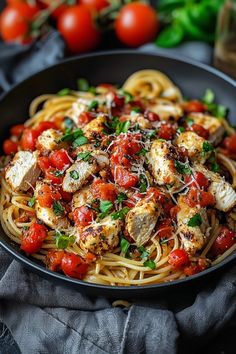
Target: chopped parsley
pixel 31 202
pixel 105 207
pixel 93 105
pixel 120 214
pixel 128 97
pixel 124 245
pixel 63 92
pixel 58 173
pixel 151 134
pixel 74 174
pixel 85 156
pixel 81 140
pixel 135 110
pixel 196 220
pixel 122 127
pixel 150 264
pixel 189 121
pixel 144 253
pixel 58 208
pixel 143 183
pixel 121 197
pixel 82 84
pixel 180 130
pixel 183 168
pixel 215 167
pixel 215 109
pixel 142 152
pixel 206 147
pixel 63 241
pixel 69 123
pixel 71 135
pixel 208 97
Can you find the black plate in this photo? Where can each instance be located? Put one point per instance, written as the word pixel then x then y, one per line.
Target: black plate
pixel 193 78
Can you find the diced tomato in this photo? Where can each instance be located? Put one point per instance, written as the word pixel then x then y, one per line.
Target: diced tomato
pixel 199 180
pixel 90 257
pixel 151 116
pixel 196 196
pixel 54 175
pixel 119 158
pixel 178 258
pixel 33 238
pixel 200 130
pixel 54 259
pixel 103 190
pixel 46 196
pixel 124 148
pixel 9 147
pixel 196 267
pixel 44 163
pixel 134 199
pixel 83 216
pixel 166 132
pixel 194 106
pixel 230 143
pixel 164 229
pixel 85 118
pixel 17 130
pixel 125 178
pixel 174 211
pixel 73 266
pixel 60 159
pixel 29 138
pixel 66 196
pixel 207 199
pixel 167 206
pixel 45 126
pixel 157 194
pixel 225 240
pixel 118 100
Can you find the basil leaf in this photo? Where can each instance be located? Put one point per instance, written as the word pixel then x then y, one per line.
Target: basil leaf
pixel 183 168
pixel 63 241
pixel 208 97
pixel 74 174
pixel 142 152
pixel 215 167
pixel 150 264
pixel 71 135
pixel 69 123
pixel 143 183
pixel 63 92
pixel 121 197
pixel 207 147
pixel 58 208
pixel 124 245
pixel 122 127
pixel 82 84
pixel 196 220
pixel 180 130
pixel 120 214
pixel 144 252
pixel 85 156
pixel 135 110
pixel 81 140
pixel 189 121
pixel 58 173
pixel 31 202
pixel 93 105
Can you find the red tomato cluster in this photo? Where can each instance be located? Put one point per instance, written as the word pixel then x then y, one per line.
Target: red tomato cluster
pixel 103 190
pixel 135 24
pixel 33 238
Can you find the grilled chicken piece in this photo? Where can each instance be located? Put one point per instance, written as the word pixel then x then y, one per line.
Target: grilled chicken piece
pixel 47 215
pixel 22 172
pixel 213 124
pixel 167 110
pixel 78 174
pixel 223 192
pixel 141 220
pixel 192 238
pixel 193 143
pixel 139 119
pixel 95 127
pixel 101 236
pixel 161 163
pixel 50 140
pixel 82 197
pixel 100 155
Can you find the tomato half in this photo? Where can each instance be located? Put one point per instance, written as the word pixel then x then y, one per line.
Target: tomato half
pixel 166 132
pixel 125 178
pixel 9 147
pixel 83 216
pixel 54 175
pixel 194 106
pixel 44 163
pixel 103 190
pixel 46 196
pixel 224 241
pixel 178 258
pixel 73 266
pixel 28 139
pixel 33 238
pixel 17 130
pixel 200 130
pixel 198 180
pixel 230 144
pixel 54 259
pixel 60 159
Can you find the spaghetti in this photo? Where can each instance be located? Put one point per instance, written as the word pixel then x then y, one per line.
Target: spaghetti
pixel 123 188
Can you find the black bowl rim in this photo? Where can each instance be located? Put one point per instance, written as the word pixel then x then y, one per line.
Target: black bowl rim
pixel 37 267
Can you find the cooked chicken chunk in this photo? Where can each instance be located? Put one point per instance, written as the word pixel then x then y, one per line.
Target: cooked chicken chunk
pixel 101 236
pixel 193 238
pixel 23 171
pixel 141 220
pixel 161 159
pixel 78 174
pixel 138 119
pixel 49 140
pixel 95 127
pixel 193 143
pixel 223 192
pixel 82 197
pixel 100 155
pixel 166 110
pixel 213 124
pixel 47 215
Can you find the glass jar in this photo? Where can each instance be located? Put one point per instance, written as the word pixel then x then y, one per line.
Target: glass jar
pixel 225 46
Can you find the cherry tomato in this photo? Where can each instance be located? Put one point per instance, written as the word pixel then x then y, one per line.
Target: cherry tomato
pixel 136 24
pixel 166 132
pixel 59 7
pixel 73 266
pixel 151 116
pixel 194 106
pixel 196 267
pixel 47 195
pixel 54 175
pixel 157 194
pixel 45 126
pixel 60 159
pixel 28 139
pixel 103 190
pixel 54 259
pixel 9 147
pixel 33 238
pixel 15 21
pixel 178 258
pixel 90 257
pixel 17 130
pixel 224 241
pixel 196 196
pixel 66 196
pixel 174 211
pixel 44 163
pixel 96 5
pixel 164 229
pixel 85 118
pixel 83 216
pixel 199 180
pixel 200 130
pixel 125 178
pixel 230 144
pixel 77 28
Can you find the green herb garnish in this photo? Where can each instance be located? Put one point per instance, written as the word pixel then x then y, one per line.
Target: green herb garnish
pixel 120 214
pixel 122 127
pixel 63 92
pixel 142 152
pixel 206 147
pixel 63 241
pixel 71 135
pixel 183 168
pixel 135 110
pixel 85 156
pixel 74 174
pixel 105 207
pixel 81 140
pixel 58 173
pixel 82 84
pixel 180 130
pixel 196 220
pixel 124 245
pixel 143 183
pixel 150 264
pixel 189 121
pixel 208 97
pixel 31 202
pixel 69 123
pixel 215 167
pixel 58 208
pixel 121 197
pixel 144 252
pixel 93 105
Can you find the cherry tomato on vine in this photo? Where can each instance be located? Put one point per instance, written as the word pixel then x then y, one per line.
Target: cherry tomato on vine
pixel 136 24
pixel 78 29
pixel 57 5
